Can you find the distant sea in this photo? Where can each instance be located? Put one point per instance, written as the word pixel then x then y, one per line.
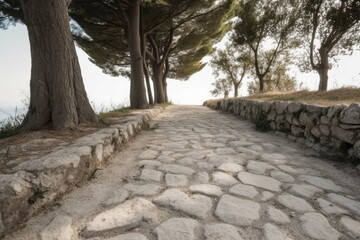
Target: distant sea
pixel 8 111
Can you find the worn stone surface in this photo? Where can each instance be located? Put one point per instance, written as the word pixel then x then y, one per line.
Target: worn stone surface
pixel 330 208
pixel 176 180
pixel 237 211
pixel 119 196
pixel 294 203
pixel 230 167
pixel 178 229
pixel 304 190
pixel 206 189
pixel 259 167
pixel 345 202
pixel 315 225
pixel 277 216
pixel 272 232
pixel 244 190
pixel 264 182
pixel 143 190
pixel 59 228
pixel 151 175
pixel 176 169
pixel 282 177
pixel 223 179
pixel 221 231
pixel 352 226
pixel 129 236
pixel 322 183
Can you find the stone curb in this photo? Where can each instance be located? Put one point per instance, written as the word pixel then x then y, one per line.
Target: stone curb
pixel 38 182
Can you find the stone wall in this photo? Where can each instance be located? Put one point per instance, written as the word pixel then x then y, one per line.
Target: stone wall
pixel 39 182
pixel 331 130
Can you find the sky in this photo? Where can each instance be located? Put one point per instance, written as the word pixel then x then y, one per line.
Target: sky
pixel 105 92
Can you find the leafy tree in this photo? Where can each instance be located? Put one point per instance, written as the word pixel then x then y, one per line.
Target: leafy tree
pixel 221 86
pixel 232 63
pixel 330 28
pixel 267 28
pixel 57 93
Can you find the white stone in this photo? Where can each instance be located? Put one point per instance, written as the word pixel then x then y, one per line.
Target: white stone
pixel 345 202
pixel 230 167
pixel 166 159
pixel 259 167
pixel 206 189
pixel 149 163
pixel 260 181
pixel 282 177
pixel 330 208
pixel 202 177
pixel 265 196
pixel 272 232
pixel 196 205
pixel 223 179
pixel 238 143
pixel 59 229
pixel 351 226
pixel 129 236
pixel 277 216
pixel 148 154
pixel 315 225
pixel 244 190
pixel 122 217
pixel 151 175
pixel 287 169
pixel 294 203
pixel 119 196
pixel 225 151
pixel 205 165
pixel 176 169
pixel 237 211
pixel 186 161
pixel 143 190
pixel 178 229
pixel 274 158
pixel 175 180
pixel 322 183
pixel 304 190
pixel 221 231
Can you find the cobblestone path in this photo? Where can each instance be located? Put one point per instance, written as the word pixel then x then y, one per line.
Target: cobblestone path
pixel 202 174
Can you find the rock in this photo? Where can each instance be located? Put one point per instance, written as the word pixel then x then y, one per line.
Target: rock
pixel 351 114
pixel 260 181
pixel 287 168
pixel 351 226
pixel 282 177
pixel 265 196
pixel 202 177
pixel 237 211
pixel 225 151
pixel 275 158
pixel 294 106
pixel 129 236
pixel 197 205
pixel 294 203
pixel 221 231
pixel 59 229
pixel 304 190
pixel 244 190
pixel 119 196
pixel 186 161
pixel 143 190
pixel 149 163
pixel 151 175
pixel 322 183
pixel 315 225
pixel 174 180
pixel 345 202
pixel 297 131
pixel 259 167
pixel 238 144
pixel 223 179
pixel 148 154
pixel 230 167
pixel 166 159
pixel 343 134
pixel 178 229
pixel 329 208
pixel 272 232
pixel 205 165
pixel 176 169
pixel 206 189
pixel 125 216
pixel 277 215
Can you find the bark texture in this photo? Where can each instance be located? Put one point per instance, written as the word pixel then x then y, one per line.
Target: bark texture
pixel 57 94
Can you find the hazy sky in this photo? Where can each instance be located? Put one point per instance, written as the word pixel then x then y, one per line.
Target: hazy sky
pixel 15 64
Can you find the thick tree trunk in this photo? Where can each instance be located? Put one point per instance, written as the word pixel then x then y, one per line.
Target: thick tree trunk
pixel 261 83
pixel 236 90
pixel 137 87
pixel 323 70
pixel 158 71
pixel 57 92
pixel 148 84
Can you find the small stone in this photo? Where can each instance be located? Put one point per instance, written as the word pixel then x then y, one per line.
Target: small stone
pixel 202 177
pixel 282 177
pixel 305 190
pixel 205 165
pixel 151 175
pixel 186 161
pixel 274 158
pixel 294 203
pixel 287 169
pixel 143 190
pixel 272 232
pixel 59 228
pixel 260 181
pixel 221 231
pixel 225 151
pixel 315 225
pixel 119 196
pixel 277 215
pixel 329 208
pixel 345 202
pixel 351 226
pixel 230 167
pixel 223 179
pixel 237 211
pixel 177 169
pixel 197 205
pixel 259 167
pixel 178 229
pixel 148 154
pixel 129 236
pixel 166 159
pixel 322 183
pixel 174 180
pixel 265 196
pixel 206 189
pixel 244 190
pixel 149 163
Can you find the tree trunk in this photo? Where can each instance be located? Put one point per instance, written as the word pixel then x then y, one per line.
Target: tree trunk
pixel 236 90
pixel 158 71
pixel 261 83
pixel 148 84
pixel 323 69
pixel 137 87
pixel 57 93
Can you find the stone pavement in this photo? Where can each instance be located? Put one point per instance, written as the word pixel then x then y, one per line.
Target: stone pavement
pixel 208 175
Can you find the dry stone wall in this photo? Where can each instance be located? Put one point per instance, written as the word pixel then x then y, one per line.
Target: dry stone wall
pixel 333 131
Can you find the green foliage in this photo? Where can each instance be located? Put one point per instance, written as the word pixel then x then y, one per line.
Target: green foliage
pixel 221 86
pixel 11 125
pixel 10 13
